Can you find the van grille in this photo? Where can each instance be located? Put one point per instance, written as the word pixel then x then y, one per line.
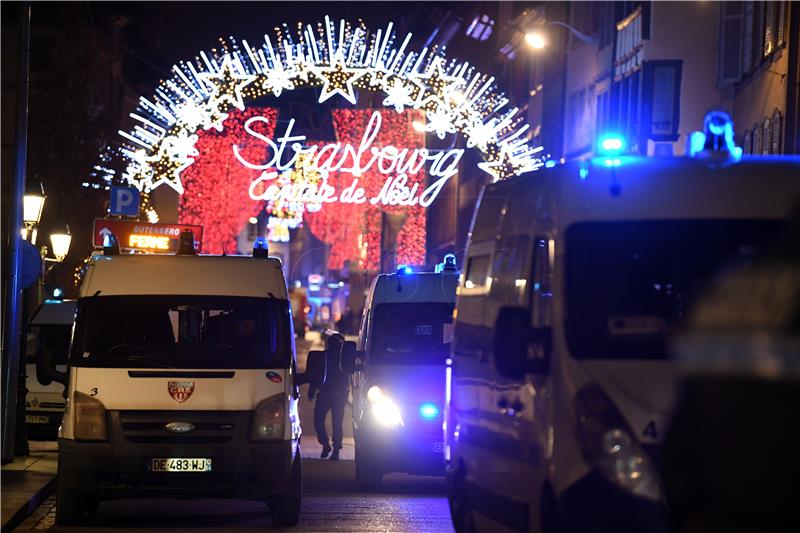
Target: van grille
pixel 210 427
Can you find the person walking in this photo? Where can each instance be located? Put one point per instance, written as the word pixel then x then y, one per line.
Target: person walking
pixel 332 396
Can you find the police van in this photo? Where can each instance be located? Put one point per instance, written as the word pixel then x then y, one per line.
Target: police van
pixel 574 278
pixel 399 382
pixel 182 382
pixel 49 330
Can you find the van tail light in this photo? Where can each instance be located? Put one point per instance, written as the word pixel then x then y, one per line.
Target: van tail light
pixel 269 419
pixel 90 418
pixel 608 444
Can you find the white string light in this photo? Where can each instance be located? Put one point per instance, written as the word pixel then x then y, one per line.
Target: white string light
pixel 339 59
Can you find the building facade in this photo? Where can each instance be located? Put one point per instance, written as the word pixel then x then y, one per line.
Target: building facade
pixel 653 69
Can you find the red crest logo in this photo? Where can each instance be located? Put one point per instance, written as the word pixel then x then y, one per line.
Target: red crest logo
pixel 180 390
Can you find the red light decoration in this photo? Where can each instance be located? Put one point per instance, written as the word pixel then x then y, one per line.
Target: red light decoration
pixel 340 225
pixel 217 184
pixel 217 189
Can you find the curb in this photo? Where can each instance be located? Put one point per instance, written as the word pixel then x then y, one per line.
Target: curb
pixel 34 501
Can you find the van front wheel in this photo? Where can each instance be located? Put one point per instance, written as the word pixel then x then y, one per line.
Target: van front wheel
pixel 284 509
pixel 368 473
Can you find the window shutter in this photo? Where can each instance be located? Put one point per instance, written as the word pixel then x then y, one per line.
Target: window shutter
pixel 783 23
pixel 730 53
pixel 766 137
pixel 757 139
pixel 747 143
pixel 747 37
pixel 777 125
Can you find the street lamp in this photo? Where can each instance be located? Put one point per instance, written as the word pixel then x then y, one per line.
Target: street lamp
pixel 536 39
pixel 61 242
pixel 32 206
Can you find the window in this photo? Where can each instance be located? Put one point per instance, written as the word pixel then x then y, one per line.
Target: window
pixel 477 271
pixel 766 137
pixel 629 285
pixel 541 293
pixel 777 124
pixel 747 142
pixel 756 139
pixel 411 332
pixel 481 27
pixel 182 332
pixel 730 53
pixel 603 100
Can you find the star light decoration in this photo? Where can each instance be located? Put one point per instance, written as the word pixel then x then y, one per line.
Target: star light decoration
pixel 337 59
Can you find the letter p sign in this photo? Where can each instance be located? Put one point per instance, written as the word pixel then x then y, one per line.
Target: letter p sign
pixel 124 201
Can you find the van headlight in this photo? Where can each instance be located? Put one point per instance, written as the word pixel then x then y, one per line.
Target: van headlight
pixel 269 419
pixel 609 446
pixel 90 418
pixel 384 410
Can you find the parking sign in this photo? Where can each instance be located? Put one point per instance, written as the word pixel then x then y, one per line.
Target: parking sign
pixel 124 201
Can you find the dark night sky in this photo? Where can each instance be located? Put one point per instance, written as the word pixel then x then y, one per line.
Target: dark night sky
pixel 162 33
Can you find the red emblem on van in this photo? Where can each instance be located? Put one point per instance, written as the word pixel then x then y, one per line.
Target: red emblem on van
pixel 180 390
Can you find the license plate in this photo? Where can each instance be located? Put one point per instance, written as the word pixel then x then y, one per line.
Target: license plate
pixel 35 419
pixel 438 447
pixel 180 464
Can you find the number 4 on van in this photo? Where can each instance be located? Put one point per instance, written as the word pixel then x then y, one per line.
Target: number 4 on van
pixel 650 430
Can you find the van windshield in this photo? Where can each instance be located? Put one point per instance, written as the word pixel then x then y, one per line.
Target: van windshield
pixel 181 332
pixel 52 337
pixel 630 284
pixel 416 332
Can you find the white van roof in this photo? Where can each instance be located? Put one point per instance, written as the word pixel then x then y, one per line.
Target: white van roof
pixel 414 287
pixel 675 188
pixel 118 275
pixel 54 312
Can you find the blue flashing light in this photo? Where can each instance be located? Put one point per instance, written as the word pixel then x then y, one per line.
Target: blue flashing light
pixel 404 269
pixel 58 294
pixel 717 136
pixel 697 142
pixel 612 162
pixel 428 411
pixel 550 163
pixel 583 173
pixel 448 265
pixel 261 247
pixel 611 144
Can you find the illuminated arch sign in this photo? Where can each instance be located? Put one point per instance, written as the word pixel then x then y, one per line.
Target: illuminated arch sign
pixel 447 96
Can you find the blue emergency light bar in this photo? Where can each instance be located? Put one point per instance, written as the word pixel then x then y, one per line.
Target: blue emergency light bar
pixel 428 411
pixel 611 144
pixel 404 269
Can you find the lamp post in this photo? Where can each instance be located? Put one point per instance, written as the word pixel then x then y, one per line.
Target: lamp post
pixel 33 205
pixel 537 40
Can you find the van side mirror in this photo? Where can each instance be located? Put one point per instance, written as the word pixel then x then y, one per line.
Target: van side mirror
pixel 46 372
pixel 520 349
pixel 352 359
pixel 316 369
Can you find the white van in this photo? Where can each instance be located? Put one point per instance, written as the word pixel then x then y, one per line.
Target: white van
pixel 573 279
pixel 182 382
pixel 399 383
pixel 49 329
